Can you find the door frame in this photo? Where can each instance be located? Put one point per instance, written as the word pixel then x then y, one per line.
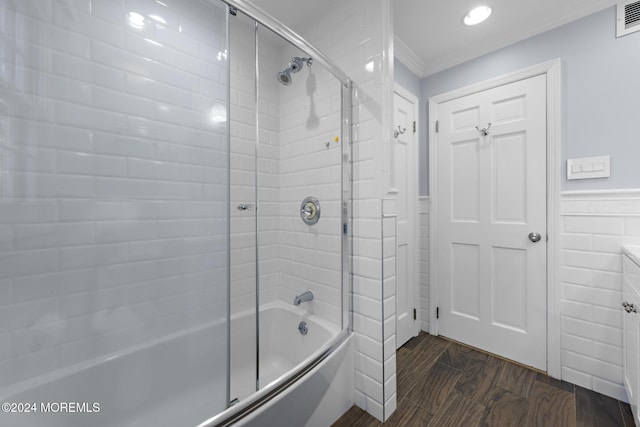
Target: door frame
pixel 401 91
pixel 552 70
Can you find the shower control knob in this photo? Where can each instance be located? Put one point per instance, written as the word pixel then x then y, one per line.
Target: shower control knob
pixel 535 237
pixel 310 210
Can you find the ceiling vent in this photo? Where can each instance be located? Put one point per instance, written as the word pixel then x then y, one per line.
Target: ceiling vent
pixel 628 17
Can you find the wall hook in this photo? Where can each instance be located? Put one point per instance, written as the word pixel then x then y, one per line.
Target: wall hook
pixel 484 131
pixel 399 132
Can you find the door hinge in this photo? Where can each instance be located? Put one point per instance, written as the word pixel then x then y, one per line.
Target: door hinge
pixel 437 126
pixel 414 126
pixel 415 314
pixel 437 312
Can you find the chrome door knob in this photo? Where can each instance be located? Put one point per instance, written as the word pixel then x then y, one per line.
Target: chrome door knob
pixel 535 237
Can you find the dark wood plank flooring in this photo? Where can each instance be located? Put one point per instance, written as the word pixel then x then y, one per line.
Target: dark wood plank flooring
pixel 442 383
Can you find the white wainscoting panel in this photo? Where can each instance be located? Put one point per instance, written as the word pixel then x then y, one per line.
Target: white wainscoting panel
pixel 594 227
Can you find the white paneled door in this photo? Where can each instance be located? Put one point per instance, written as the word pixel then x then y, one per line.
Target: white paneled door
pixel 404 163
pixel 491 219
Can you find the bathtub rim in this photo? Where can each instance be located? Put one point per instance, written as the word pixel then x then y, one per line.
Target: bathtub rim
pixel 258 399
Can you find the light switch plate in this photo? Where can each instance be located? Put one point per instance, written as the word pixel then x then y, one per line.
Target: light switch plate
pixel 589 167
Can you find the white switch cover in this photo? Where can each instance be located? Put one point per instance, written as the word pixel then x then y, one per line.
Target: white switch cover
pixel 589 167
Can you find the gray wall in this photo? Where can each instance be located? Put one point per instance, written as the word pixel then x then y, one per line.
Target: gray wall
pixel 600 93
pixel 405 78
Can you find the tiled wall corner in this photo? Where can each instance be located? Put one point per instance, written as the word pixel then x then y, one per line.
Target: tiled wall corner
pixel 368 308
pixel 594 228
pixel 424 214
pixel 389 304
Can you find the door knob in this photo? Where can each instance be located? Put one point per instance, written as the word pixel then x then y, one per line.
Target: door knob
pixel 535 237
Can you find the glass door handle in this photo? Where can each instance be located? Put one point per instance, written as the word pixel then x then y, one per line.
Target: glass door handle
pixel 244 206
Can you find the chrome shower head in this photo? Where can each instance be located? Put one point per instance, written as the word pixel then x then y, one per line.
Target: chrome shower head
pixel 284 77
pixel 295 65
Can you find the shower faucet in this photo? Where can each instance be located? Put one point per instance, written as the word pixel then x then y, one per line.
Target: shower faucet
pixel 303 297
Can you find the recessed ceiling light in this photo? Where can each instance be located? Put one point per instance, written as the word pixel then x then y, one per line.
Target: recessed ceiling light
pixel 477 15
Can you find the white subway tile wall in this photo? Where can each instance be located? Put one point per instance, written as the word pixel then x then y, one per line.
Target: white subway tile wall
pixel 357 35
pixel 113 177
pixel 310 164
pixel 389 219
pixel 297 156
pixel 594 229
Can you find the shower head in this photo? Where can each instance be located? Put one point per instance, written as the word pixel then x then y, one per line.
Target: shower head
pixel 284 77
pixel 295 65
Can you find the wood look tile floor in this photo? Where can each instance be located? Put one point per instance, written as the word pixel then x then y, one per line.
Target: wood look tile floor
pixel 442 383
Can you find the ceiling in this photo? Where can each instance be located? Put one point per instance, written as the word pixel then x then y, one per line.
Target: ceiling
pixel 433 31
pixel 430 36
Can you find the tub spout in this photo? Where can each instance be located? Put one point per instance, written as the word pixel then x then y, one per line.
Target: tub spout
pixel 303 297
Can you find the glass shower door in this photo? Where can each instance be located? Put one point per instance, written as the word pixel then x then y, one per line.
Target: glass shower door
pixel 285 146
pixel 299 217
pixel 114 210
pixel 243 210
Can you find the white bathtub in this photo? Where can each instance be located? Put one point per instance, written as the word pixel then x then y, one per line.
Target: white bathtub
pixel 318 398
pixel 137 387
pixel 282 346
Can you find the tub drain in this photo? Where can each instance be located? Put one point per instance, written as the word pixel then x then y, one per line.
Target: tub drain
pixel 303 328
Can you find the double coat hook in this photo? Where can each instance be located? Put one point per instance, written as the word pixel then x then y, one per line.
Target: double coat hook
pixel 399 131
pixel 484 131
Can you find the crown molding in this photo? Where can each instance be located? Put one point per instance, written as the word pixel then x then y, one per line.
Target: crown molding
pixel 405 55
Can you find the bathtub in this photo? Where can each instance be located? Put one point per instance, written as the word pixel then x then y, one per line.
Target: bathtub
pixel 135 388
pixel 305 379
pixel 282 346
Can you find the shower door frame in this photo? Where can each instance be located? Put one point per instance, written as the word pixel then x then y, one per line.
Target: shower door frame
pixel 264 395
